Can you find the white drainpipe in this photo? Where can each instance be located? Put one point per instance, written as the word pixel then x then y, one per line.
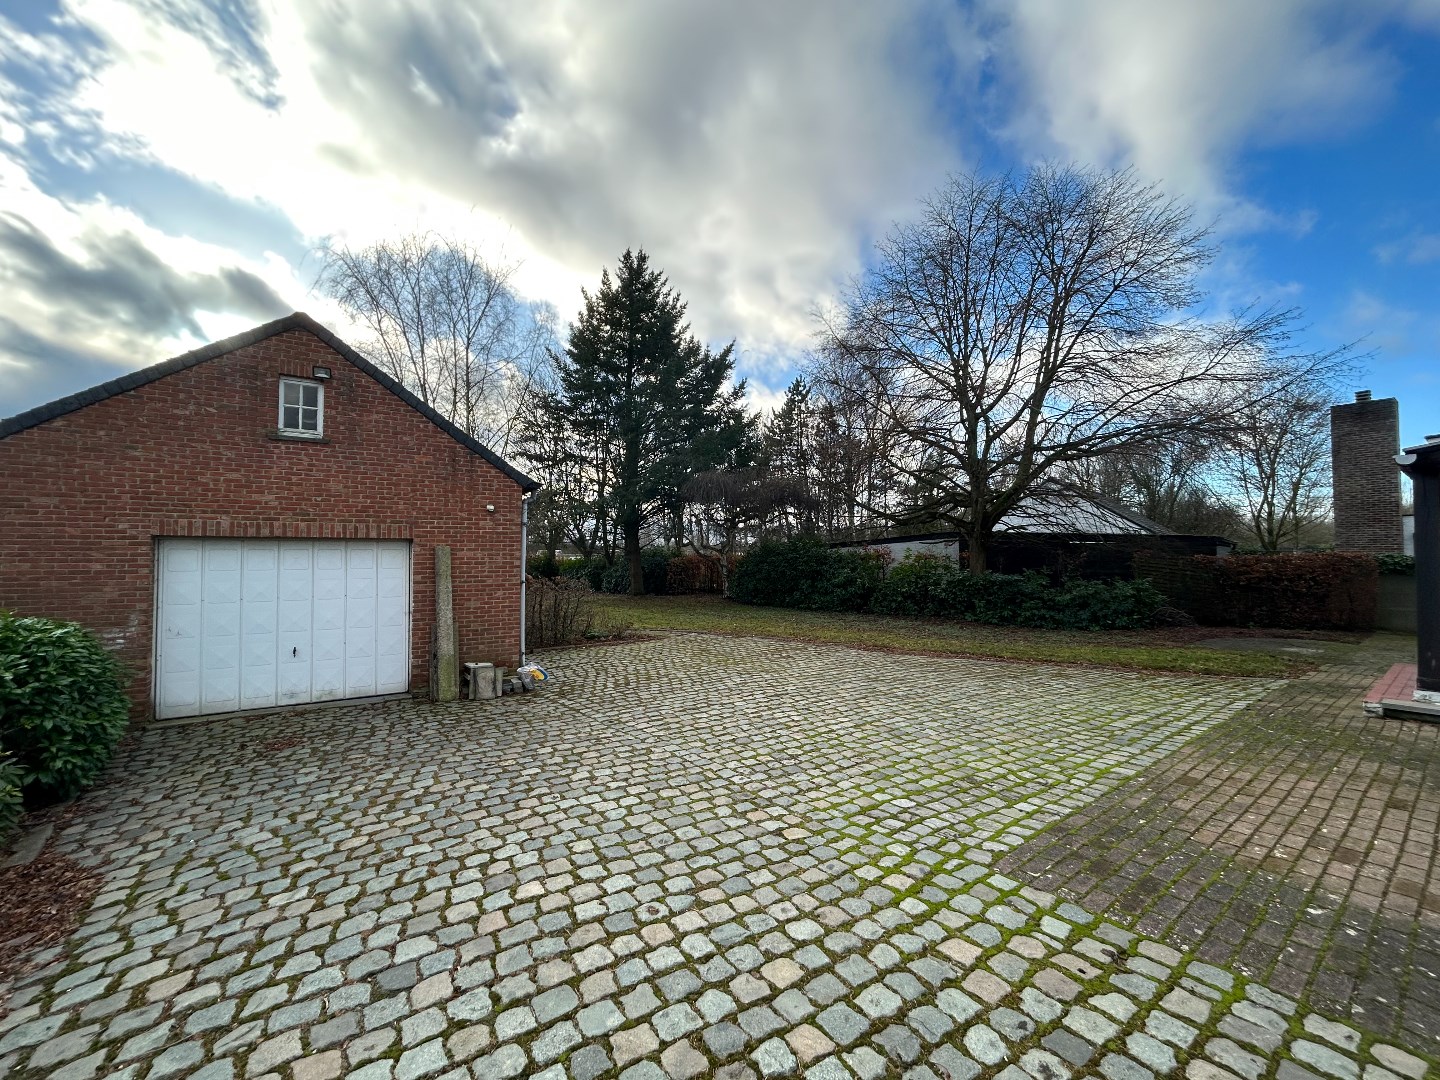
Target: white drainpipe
pixel 524 566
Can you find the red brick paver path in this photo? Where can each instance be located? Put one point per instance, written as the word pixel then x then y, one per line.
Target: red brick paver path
pixel 1397 684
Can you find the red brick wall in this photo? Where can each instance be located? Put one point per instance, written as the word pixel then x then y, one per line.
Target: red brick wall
pixel 83 498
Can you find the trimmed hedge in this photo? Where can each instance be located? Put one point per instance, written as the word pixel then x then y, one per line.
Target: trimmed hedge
pixel 806 573
pixel 665 572
pixel 654 563
pixel 62 705
pixel 696 574
pixel 936 586
pixel 1316 590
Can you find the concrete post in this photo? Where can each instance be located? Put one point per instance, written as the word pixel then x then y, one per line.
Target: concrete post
pixel 445 668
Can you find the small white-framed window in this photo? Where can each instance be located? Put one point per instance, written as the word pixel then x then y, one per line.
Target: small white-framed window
pixel 302 408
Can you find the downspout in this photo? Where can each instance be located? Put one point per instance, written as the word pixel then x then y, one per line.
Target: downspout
pixel 524 565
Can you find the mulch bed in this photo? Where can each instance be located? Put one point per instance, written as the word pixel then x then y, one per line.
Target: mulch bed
pixel 41 902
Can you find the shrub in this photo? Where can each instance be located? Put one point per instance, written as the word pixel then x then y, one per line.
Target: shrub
pixel 558 611
pixel 1299 591
pixel 696 574
pixel 10 799
pixel 591 571
pixel 1103 605
pixel 1393 563
pixel 542 564
pixel 936 586
pixel 919 585
pixel 654 563
pixel 805 573
pixel 62 705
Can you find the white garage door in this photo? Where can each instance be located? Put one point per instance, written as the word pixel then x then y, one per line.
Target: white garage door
pixel 251 624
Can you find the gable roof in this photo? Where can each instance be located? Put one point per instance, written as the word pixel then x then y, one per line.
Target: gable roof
pixel 295 321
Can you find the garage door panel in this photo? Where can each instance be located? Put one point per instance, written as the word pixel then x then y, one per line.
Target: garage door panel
pixel 256 623
pixel 327 680
pixel 183 590
pixel 180 696
pixel 219 689
pixel 392 616
pixel 181 556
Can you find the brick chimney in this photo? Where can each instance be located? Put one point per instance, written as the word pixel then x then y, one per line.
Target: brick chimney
pixel 1364 439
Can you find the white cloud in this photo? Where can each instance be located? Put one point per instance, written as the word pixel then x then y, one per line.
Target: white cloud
pixel 752 148
pixel 1417 248
pixel 92 279
pixel 1392 330
pixel 747 148
pixel 1178 89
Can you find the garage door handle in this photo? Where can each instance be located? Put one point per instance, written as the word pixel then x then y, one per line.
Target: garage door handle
pixel 295 651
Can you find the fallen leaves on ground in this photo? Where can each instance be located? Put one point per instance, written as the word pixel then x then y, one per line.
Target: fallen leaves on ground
pixel 40 904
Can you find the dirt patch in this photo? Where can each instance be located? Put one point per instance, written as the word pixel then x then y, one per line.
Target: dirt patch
pixel 40 904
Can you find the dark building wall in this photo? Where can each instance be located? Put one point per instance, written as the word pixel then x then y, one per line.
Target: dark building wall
pixel 1364 439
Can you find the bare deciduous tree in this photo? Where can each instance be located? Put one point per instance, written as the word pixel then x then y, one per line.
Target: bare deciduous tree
pixel 1277 464
pixel 1026 323
pixel 1174 483
pixel 444 320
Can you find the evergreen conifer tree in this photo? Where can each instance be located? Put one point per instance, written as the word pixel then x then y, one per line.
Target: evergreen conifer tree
pixel 636 385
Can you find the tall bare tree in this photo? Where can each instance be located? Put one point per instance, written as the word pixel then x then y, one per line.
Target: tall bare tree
pixel 444 320
pixel 1024 323
pixel 1277 464
pixel 1175 483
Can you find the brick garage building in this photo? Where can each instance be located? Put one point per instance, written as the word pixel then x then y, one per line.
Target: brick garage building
pixel 254 524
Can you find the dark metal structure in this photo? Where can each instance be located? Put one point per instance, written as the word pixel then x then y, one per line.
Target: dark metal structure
pixel 1422 464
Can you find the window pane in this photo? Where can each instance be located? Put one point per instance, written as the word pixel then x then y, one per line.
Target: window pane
pixel 310 396
pixel 290 417
pixel 310 419
pixel 291 392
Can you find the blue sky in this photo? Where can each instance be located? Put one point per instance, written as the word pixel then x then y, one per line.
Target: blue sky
pixel 168 167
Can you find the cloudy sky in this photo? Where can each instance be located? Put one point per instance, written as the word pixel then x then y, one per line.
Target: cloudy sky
pixel 168 167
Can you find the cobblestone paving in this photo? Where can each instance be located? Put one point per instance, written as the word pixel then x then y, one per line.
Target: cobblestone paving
pixel 692 857
pixel 1296 842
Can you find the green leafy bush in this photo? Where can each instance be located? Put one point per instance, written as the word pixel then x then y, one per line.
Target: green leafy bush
pixel 936 586
pixel 10 798
pixel 654 561
pixel 1103 605
pixel 62 705
pixel 806 573
pixel 590 571
pixel 919 585
pixel 542 564
pixel 1392 563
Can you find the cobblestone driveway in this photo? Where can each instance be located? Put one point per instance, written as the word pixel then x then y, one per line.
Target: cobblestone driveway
pixel 692 857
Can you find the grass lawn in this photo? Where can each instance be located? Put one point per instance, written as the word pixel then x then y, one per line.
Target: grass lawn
pixel 1133 650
